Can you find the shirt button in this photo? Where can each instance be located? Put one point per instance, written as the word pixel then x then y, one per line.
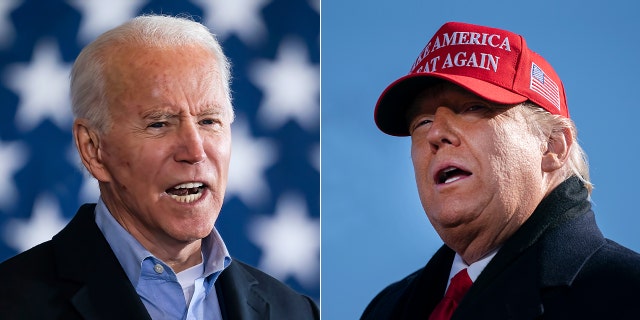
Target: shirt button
pixel 158 268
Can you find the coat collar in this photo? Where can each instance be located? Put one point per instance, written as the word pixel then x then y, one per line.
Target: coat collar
pixel 561 231
pixel 421 291
pixel 238 294
pixel 557 239
pixel 83 256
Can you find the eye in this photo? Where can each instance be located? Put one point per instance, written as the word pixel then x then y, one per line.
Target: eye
pixel 420 123
pixel 476 107
pixel 208 122
pixel 157 125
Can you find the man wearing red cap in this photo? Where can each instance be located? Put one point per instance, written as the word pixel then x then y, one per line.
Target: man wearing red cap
pixel 505 184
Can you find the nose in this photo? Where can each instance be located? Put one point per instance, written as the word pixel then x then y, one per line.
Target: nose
pixel 190 148
pixel 442 133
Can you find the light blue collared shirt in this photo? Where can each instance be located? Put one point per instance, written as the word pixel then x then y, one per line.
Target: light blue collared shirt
pixel 156 283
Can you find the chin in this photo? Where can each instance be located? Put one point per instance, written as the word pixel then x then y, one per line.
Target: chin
pixel 191 237
pixel 192 230
pixel 450 218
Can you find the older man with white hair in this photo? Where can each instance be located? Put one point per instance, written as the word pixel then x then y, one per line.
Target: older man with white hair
pixel 153 111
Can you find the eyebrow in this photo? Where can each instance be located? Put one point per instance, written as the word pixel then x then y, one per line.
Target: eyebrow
pixel 213 111
pixel 160 113
pixel 156 114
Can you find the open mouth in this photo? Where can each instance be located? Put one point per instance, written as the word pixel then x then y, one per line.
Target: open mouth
pixel 187 192
pixel 450 174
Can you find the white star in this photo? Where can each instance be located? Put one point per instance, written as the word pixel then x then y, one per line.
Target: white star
pixel 290 241
pixel 13 157
pixel 6 27
pixel 250 158
pixel 99 16
pixel 241 17
pixel 43 87
pixel 291 86
pixel 45 222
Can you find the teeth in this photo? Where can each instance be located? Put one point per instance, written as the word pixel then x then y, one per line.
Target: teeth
pixel 189 185
pixel 193 194
pixel 445 178
pixel 188 198
pixel 452 179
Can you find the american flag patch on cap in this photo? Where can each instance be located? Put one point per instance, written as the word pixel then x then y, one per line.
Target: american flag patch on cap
pixel 543 85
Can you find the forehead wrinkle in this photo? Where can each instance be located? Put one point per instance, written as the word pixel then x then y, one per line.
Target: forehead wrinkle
pixel 212 108
pixel 159 112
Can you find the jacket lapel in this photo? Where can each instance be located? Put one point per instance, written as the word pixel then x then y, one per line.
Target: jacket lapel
pixel 513 294
pixel 237 295
pixel 426 287
pixel 83 256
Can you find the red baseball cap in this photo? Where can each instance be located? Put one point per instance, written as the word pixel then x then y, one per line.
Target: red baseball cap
pixel 492 63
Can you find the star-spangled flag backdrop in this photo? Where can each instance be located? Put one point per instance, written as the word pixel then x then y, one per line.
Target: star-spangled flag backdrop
pixel 271 216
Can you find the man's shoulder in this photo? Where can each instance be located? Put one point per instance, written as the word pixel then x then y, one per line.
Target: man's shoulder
pixel 28 264
pixel 383 304
pixel 614 260
pixel 265 282
pixel 606 287
pixel 416 293
pixel 39 268
pixel 40 258
pixel 394 290
pixel 30 282
pixel 617 251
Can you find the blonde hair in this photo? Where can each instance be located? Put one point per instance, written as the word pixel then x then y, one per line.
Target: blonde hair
pixel 547 125
pixel 88 94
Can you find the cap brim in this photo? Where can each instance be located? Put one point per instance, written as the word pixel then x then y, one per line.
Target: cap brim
pixel 391 108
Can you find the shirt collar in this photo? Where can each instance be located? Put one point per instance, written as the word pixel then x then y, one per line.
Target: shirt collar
pixel 215 254
pixel 131 253
pixel 473 269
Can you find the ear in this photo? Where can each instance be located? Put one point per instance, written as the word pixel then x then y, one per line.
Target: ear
pixel 558 146
pixel 88 144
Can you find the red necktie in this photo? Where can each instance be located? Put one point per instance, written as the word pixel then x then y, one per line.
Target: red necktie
pixel 460 284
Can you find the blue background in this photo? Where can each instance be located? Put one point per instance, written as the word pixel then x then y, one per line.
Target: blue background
pixel 374 230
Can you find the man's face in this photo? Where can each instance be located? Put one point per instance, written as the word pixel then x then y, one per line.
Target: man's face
pixel 477 167
pixel 166 155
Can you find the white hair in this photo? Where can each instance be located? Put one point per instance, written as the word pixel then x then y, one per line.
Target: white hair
pixel 88 94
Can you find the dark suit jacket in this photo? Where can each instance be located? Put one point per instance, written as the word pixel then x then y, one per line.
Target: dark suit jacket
pixel 76 275
pixel 556 266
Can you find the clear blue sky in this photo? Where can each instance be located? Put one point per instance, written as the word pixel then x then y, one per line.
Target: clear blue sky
pixel 374 230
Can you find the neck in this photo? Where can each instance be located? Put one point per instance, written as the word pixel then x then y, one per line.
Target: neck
pixel 479 247
pixel 179 255
pixel 178 258
pixel 473 242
